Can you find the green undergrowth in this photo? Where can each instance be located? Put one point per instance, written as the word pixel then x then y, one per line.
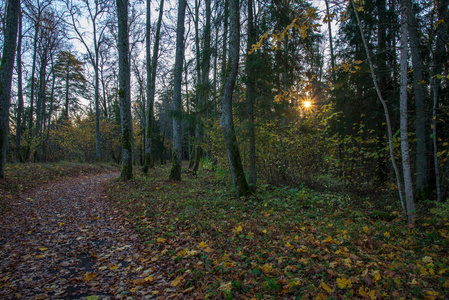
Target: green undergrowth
pixel 23 176
pixel 282 243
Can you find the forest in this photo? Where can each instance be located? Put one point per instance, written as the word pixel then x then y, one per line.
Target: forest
pixel 316 129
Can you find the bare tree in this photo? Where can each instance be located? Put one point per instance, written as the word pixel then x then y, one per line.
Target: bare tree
pixel 96 11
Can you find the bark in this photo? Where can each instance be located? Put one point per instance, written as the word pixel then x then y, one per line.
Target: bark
pixel 422 167
pixel 438 61
pixel 385 108
pixel 408 184
pixel 6 69
pixel 175 173
pixel 151 86
pixel 225 41
pixel 227 123
pixel 250 98
pixel 124 89
pixel 204 85
pixel 331 45
pixel 19 91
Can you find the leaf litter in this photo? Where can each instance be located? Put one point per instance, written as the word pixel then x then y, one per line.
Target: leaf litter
pixel 65 240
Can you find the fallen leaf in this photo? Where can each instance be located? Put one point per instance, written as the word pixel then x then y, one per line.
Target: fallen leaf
pixel 326 287
pixel 177 281
pixel 203 244
pixel 89 276
pixel 161 240
pixel 343 283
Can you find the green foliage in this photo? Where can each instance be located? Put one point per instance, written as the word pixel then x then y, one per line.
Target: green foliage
pixel 283 242
pixel 441 209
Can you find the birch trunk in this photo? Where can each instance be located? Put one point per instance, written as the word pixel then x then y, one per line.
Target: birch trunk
pixel 408 184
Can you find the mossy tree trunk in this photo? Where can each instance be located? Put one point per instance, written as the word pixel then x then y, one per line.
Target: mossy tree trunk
pixel 124 89
pixel 227 123
pixel 6 68
pixel 175 173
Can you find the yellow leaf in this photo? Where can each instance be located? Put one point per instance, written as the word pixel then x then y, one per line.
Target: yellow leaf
pixel 365 228
pixel 427 259
pixel 60 224
pixel 329 240
pixel 89 276
pixel 439 76
pixel 377 276
pixel 43 249
pixel 208 250
pixel 358 62
pixel 343 283
pixel 113 267
pixel 267 268
pixel 264 231
pixel 177 281
pixel 288 245
pixel 446 284
pixel 238 229
pixel 387 234
pixel 326 287
pixel 149 279
pixel 161 240
pixel 203 244
pixel 321 296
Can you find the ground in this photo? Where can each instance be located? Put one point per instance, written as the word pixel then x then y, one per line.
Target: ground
pixel 66 240
pixel 68 232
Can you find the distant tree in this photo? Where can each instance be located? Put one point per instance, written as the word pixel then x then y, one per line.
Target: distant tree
pixel 70 80
pixel 6 68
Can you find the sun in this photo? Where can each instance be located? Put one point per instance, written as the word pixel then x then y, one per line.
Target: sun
pixel 307 104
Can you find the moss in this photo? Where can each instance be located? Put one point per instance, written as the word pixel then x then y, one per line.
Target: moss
pixel 175 173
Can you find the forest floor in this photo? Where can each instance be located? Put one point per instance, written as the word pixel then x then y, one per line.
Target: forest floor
pixel 96 237
pixel 65 240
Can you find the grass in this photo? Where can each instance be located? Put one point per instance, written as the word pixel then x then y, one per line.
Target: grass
pixel 282 242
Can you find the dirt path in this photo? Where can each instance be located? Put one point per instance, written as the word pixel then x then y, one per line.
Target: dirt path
pixel 65 240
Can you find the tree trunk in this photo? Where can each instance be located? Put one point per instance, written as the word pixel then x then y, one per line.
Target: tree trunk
pixel 151 86
pixel 408 184
pixel 125 89
pixel 438 61
pixel 250 97
pixel 385 108
pixel 6 69
pixel 175 173
pixel 331 44
pixel 227 123
pixel 422 168
pixel 19 91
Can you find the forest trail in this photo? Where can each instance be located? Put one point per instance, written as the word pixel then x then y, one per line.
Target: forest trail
pixel 66 240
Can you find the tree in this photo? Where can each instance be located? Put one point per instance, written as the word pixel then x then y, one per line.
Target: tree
pixel 124 89
pixel 151 83
pixel 6 68
pixel 175 173
pixel 19 91
pixel 385 108
pixel 96 11
pixel 408 184
pixel 70 79
pixel 227 123
pixel 250 96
